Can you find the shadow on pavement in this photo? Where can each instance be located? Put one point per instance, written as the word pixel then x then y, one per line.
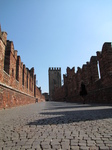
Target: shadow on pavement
pixel 59 115
pixel 77 106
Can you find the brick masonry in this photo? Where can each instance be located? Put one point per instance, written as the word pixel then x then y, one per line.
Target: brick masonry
pixel 99 87
pixel 17 83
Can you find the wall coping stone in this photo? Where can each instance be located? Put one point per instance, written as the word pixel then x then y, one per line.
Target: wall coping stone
pixel 9 87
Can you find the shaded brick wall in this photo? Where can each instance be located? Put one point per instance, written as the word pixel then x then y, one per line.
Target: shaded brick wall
pixel 15 75
pixel 99 89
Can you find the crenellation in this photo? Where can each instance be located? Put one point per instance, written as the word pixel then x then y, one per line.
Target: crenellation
pixel 15 54
pixel 18 68
pixel 10 46
pixel 28 79
pixel 58 68
pixel 32 72
pixel 21 64
pixel 7 62
pixel 54 68
pixel 89 74
pixel 94 69
pixel 106 47
pixel 2 56
pixel 54 79
pixel 85 73
pixel 93 58
pixel 78 69
pixel 14 74
pixel 98 53
pixel 19 60
pixel 4 37
pixel 23 75
pixel 35 85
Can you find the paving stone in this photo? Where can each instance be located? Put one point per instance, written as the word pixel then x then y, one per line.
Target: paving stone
pixel 57 146
pixel 109 145
pixel 104 148
pixel 65 147
pixel 62 126
pixel 45 146
pixel 74 147
pixel 6 148
pixel 93 148
pixel 99 142
pixel 83 148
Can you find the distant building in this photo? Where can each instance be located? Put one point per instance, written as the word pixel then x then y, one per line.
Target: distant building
pixel 46 95
pixel 54 80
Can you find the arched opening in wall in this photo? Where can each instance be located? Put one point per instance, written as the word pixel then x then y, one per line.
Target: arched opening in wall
pixel 98 66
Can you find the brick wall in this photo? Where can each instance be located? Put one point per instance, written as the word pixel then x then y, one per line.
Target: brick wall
pixel 99 89
pixel 15 75
pixel 3 36
pixel 9 97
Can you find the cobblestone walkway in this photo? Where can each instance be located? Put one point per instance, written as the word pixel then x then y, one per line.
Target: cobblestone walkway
pixel 56 126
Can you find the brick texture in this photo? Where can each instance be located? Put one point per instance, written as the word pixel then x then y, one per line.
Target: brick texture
pixel 17 83
pixel 99 87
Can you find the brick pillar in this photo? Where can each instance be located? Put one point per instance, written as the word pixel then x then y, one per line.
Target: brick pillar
pixel 23 82
pixel 32 80
pixel 10 62
pixel 65 85
pixel 94 69
pixel 3 42
pixel 78 78
pixel 28 81
pixel 89 76
pixel 19 72
pixel 22 75
pixel 24 78
pixel 85 75
pixel 34 85
pixel 105 63
pixel 7 58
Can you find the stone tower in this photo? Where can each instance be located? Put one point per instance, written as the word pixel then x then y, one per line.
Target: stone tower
pixel 54 80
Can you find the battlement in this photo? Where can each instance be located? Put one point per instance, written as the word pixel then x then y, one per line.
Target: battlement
pixel 3 36
pixel 54 68
pixel 54 79
pixel 20 77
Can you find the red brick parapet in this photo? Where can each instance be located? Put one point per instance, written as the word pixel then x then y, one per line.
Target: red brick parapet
pixel 13 73
pixel 97 76
pixel 10 97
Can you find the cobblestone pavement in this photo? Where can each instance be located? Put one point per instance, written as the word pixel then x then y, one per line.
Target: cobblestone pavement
pixel 56 126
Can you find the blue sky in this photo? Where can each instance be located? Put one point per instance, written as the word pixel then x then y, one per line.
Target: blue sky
pixel 56 33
